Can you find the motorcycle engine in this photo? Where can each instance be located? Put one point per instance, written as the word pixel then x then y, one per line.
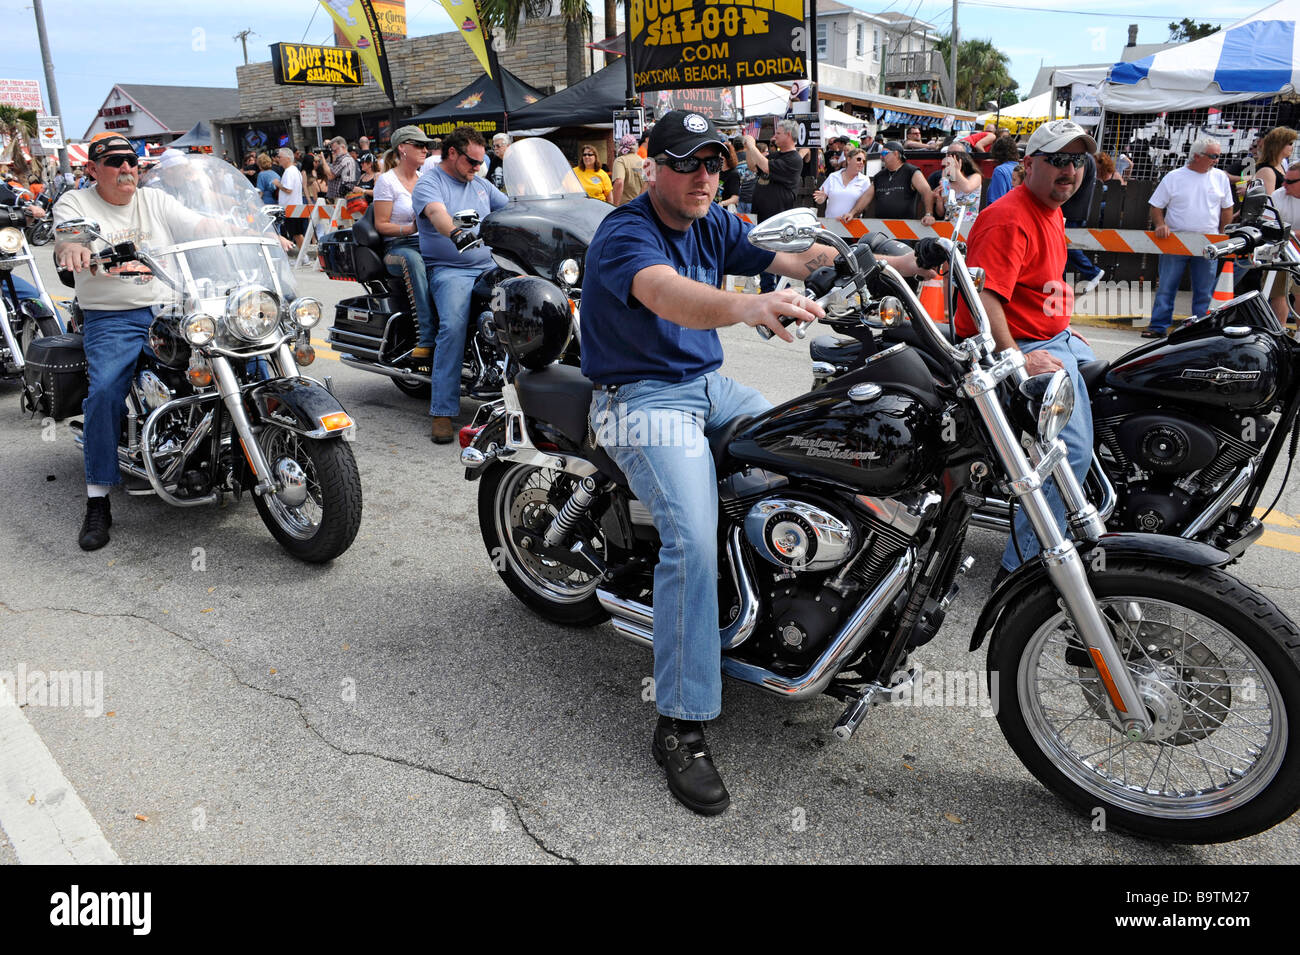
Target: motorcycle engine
pixel 822 557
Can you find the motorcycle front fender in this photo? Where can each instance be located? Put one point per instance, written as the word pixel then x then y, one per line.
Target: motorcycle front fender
pixel 301 405
pixel 1030 574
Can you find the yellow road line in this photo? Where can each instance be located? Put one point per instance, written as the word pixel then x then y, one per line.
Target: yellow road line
pixel 1278 541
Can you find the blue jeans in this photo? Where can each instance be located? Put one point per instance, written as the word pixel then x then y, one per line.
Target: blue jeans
pixel 114 341
pixel 402 259
pixel 1171 273
pixel 451 288
pixel 1076 259
pixel 25 290
pixel 669 468
pixel 1072 350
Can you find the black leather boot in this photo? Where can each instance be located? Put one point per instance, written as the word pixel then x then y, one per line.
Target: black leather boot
pixel 94 529
pixel 679 747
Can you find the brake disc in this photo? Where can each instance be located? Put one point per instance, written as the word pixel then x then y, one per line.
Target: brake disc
pixel 531 509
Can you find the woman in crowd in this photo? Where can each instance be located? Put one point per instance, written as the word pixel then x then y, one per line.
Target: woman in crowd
pixel 266 177
pixel 1275 148
pixel 729 183
pixel 1007 155
pixel 395 221
pixel 594 179
pixel 841 189
pixel 250 167
pixel 959 188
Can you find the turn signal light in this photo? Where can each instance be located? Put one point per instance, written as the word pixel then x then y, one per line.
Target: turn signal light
pixel 303 353
pixel 336 421
pixel 891 311
pixel 199 374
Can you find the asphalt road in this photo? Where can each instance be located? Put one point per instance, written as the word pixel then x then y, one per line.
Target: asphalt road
pixel 401 706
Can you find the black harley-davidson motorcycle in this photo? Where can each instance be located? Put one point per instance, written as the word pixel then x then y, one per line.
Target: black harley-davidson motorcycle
pixel 1134 673
pixel 1188 429
pixel 543 231
pixel 218 404
pixel 22 320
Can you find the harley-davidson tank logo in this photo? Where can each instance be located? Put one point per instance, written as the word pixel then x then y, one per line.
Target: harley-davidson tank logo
pixel 826 448
pixel 1219 374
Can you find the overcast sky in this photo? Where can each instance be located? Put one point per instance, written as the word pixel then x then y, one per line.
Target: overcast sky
pixel 96 43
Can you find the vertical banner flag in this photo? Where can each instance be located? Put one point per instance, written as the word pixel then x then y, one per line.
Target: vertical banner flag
pixel 357 22
pixel 693 43
pixel 464 13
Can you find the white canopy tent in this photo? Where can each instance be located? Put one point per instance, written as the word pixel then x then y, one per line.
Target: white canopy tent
pixel 1255 57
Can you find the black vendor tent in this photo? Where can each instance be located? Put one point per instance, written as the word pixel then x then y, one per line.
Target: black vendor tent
pixel 478 105
pixel 587 103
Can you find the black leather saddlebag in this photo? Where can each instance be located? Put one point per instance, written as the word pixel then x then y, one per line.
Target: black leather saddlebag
pixel 55 381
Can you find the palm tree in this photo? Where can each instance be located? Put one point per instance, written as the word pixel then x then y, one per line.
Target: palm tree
pixel 20 125
pixel 507 14
pixel 981 74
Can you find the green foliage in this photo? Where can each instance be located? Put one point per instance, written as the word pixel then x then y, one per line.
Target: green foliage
pixel 508 14
pixel 982 74
pixel 1188 29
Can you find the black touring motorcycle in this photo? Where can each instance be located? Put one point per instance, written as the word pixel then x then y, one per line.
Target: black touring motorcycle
pixel 1187 430
pixel 218 403
pixel 1135 674
pixel 543 231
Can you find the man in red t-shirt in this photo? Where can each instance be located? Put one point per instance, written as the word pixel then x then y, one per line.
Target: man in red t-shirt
pixel 1019 241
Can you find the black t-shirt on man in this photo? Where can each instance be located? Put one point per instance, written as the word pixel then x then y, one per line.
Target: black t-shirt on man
pixel 895 196
pixel 774 192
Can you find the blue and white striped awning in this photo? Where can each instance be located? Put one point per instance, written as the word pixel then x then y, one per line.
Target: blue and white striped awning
pixel 1253 58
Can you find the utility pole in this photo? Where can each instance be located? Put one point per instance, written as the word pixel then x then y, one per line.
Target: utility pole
pixel 243 35
pixel 952 49
pixel 50 88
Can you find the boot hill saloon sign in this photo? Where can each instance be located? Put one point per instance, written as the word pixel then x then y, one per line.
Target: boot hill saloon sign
pixel 680 44
pixel 297 64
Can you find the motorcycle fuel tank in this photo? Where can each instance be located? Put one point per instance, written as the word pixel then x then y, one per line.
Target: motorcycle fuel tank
pixel 1238 369
pixel 879 429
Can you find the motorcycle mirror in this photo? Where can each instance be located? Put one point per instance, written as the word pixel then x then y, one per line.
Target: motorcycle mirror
pixel 466 218
pixel 790 231
pixel 78 230
pixel 272 211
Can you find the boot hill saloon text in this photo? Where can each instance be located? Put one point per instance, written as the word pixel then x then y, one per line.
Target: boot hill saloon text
pixel 716 42
pixel 297 64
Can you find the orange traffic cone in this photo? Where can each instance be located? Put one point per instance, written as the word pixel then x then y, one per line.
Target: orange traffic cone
pixel 932 300
pixel 1223 288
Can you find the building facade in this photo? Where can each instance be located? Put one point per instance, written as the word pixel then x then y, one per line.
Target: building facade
pixel 159 114
pixel 887 53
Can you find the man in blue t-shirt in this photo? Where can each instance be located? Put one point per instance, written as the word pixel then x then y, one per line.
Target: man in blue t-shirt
pixel 651 304
pixel 444 190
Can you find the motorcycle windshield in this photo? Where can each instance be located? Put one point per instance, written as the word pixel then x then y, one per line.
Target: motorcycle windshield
pixel 227 242
pixel 535 168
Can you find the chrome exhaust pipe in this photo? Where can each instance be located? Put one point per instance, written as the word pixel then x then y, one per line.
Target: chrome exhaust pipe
pixel 630 620
pixel 1219 506
pixel 406 376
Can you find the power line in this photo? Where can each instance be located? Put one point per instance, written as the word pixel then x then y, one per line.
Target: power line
pixel 1088 13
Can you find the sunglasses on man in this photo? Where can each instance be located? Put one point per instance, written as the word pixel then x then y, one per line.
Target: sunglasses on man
pixel 712 165
pixel 115 162
pixel 474 163
pixel 1061 160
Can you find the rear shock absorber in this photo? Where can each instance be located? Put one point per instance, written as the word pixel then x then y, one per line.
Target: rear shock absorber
pixel 576 506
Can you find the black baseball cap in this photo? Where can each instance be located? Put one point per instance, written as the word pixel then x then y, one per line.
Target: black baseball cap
pixel 894 146
pixel 680 133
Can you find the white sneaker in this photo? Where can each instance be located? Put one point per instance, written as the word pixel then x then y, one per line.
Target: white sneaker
pixel 1092 283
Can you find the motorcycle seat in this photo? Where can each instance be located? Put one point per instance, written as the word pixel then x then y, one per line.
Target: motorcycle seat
pixel 1093 373
pixel 368 249
pixel 836 350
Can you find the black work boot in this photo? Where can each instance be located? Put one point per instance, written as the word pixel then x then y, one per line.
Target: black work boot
pixel 679 747
pixel 94 529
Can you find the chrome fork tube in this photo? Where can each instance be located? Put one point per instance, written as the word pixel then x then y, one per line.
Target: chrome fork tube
pixel 1064 565
pixel 232 397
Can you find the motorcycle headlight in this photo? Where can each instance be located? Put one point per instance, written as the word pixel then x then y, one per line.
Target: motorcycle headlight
pixel 1052 397
pixel 252 313
pixel 11 240
pixel 567 272
pixel 306 312
pixel 198 329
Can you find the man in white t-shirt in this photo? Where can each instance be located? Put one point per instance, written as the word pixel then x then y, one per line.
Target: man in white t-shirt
pixel 1287 199
pixel 1195 198
pixel 116 302
pixel 289 193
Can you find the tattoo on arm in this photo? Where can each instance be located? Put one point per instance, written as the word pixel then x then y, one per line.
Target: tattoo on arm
pixel 818 261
